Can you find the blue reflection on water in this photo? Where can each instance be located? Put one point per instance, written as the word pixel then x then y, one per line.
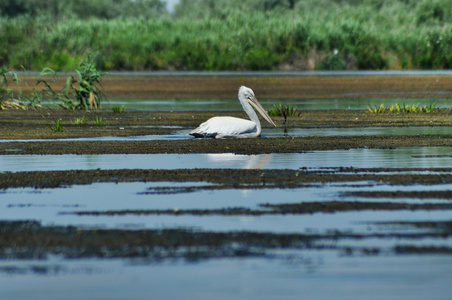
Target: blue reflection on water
pixel 406 157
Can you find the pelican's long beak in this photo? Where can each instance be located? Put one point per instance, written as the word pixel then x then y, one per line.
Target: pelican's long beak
pixel 253 101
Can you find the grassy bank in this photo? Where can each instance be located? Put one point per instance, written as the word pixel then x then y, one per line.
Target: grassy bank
pixel 396 35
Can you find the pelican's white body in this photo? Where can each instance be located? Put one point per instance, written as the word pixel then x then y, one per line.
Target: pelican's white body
pixel 227 127
pixel 230 127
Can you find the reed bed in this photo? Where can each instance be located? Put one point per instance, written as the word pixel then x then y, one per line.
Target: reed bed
pixel 394 35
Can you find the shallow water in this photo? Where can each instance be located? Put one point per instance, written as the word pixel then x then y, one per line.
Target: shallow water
pixel 405 157
pixel 357 131
pixel 316 275
pixel 179 133
pixel 282 274
pixel 50 206
pixel 233 104
pixel 288 273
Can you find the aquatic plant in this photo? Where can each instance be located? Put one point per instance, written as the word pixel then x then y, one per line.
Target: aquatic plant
pixel 404 108
pixel 7 100
pixel 34 99
pixel 79 121
pixel 430 107
pixel 98 121
pixel 284 111
pixel 61 97
pixel 5 80
pixel 376 109
pixel 279 110
pixel 88 93
pixel 57 127
pixel 117 109
pixel 82 91
pixel 37 95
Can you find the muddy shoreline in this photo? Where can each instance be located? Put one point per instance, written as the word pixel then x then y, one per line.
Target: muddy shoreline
pixel 36 124
pixel 269 86
pixel 237 146
pixel 17 125
pixel 225 178
pixel 31 240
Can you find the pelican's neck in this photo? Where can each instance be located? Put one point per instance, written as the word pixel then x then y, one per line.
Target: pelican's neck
pixel 250 112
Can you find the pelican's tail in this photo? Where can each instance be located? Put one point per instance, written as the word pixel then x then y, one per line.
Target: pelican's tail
pixel 200 133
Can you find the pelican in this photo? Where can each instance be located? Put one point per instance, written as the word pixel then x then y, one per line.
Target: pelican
pixel 230 127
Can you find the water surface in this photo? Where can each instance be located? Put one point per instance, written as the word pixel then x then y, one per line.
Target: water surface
pixel 181 133
pixel 301 104
pixel 316 275
pixel 405 157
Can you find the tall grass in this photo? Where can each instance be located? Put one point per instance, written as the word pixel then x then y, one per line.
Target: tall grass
pixel 394 35
pixel 7 97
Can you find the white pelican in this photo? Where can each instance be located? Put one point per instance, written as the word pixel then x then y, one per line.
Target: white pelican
pixel 230 127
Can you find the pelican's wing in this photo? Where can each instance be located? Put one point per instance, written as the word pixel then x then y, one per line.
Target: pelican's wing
pixel 223 127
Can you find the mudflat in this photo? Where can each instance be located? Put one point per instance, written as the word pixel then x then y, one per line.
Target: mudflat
pixel 17 125
pixel 30 239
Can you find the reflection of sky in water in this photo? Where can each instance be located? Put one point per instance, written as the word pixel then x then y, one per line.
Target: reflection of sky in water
pixel 319 274
pixel 405 157
pixel 366 131
pixel 295 271
pixel 314 275
pixel 46 205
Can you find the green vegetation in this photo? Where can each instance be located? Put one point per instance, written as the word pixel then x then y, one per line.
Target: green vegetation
pixel 397 108
pixel 80 121
pixel 6 77
pixel 326 34
pixel 61 97
pixel 283 111
pixel 117 109
pixel 82 9
pixel 98 121
pixel 88 92
pixel 227 34
pixel 57 127
pixel 7 98
pixel 82 91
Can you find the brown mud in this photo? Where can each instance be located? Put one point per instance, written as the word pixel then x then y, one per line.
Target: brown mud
pixel 237 146
pixel 37 125
pixel 31 240
pixel 225 178
pixel 446 194
pixel 273 209
pixel 155 86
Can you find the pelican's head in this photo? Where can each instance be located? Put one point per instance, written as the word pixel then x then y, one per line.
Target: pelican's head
pixel 246 94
